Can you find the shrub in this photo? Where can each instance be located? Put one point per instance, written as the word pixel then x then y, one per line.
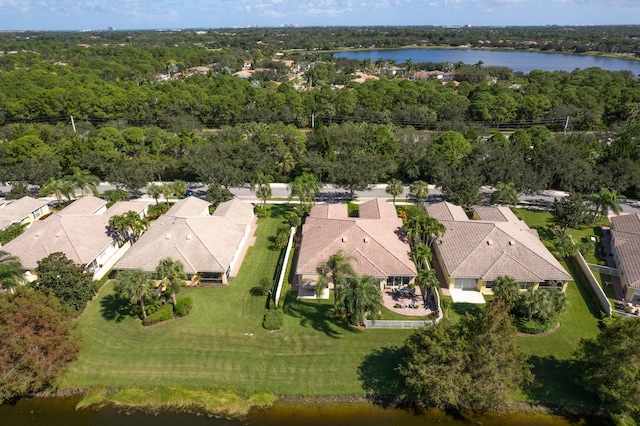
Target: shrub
pixel 163 314
pixel 261 212
pixel 156 210
pixel 273 319
pixel 12 231
pixel 183 307
pixel 535 326
pixel 263 287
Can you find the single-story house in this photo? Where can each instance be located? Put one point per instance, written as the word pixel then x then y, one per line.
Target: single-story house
pixel 472 253
pixel 208 245
pixel 80 231
pixel 373 242
pixel 24 210
pixel 625 246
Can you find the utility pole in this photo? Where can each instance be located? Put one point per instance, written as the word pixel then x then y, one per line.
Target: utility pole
pixel 566 125
pixel 73 124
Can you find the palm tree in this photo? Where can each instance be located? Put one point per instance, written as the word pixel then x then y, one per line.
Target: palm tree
pixel 420 189
pixel 179 188
pixel 395 188
pixel 506 288
pixel 428 281
pixel 134 285
pixel 57 187
pixel 10 271
pixel 336 267
pixel 167 190
pixel 423 228
pixel 306 186
pixel 286 164
pixel 361 295
pixel 261 184
pixel 604 200
pixel 172 272
pixel 154 191
pixel 421 255
pixel 83 180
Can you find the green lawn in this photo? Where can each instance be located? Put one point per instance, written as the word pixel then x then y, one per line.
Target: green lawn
pixel 550 355
pixel 542 221
pixel 222 344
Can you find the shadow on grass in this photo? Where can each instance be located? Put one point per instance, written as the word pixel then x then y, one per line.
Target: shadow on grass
pixel 555 388
pixel 467 308
pixel 315 314
pixel 280 211
pixel 586 293
pixel 545 232
pixel 114 308
pixel 380 380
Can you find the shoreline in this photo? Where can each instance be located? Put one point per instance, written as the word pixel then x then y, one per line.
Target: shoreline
pixel 234 409
pixel 447 47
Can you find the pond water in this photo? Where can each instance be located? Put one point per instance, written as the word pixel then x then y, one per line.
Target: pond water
pixel 61 412
pixel 517 61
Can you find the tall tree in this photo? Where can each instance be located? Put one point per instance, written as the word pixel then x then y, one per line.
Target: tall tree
pixel 37 342
pixel 306 187
pixel 361 295
pixel 428 280
pixel 336 268
pixel 422 255
pixel 83 180
pixel 394 188
pixel 507 290
pixel 505 193
pixel 420 190
pixel 72 284
pixel 610 367
pixel 261 184
pixel 605 200
pixel 172 272
pixel 179 188
pixel 58 187
pixel 570 212
pixel 10 271
pixel 136 286
pixel 474 365
pixel 154 191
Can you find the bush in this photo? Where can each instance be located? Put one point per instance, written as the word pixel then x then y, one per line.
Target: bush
pixel 183 307
pixel 156 210
pixel 12 231
pixel 262 212
pixel 163 314
pixel 263 287
pixel 273 319
pixel 534 326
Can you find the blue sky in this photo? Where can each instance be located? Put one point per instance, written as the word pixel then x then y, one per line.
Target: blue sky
pixel 162 14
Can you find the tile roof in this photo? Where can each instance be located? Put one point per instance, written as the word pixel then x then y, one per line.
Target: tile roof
pixel 625 232
pixel 330 211
pixel 444 210
pixel 495 214
pixel 81 237
pixel 202 242
pixel 485 249
pixel 17 210
pixel 375 246
pixel 83 206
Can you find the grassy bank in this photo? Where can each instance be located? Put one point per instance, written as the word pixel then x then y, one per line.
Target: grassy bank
pixel 222 344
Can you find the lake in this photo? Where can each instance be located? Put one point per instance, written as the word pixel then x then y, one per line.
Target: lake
pixel 517 61
pixel 61 412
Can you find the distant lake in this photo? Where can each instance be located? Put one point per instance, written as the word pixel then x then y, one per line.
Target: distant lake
pixel 517 61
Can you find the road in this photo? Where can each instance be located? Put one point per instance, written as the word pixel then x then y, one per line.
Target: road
pixel 330 193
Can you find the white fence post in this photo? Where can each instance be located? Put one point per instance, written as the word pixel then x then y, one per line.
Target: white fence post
pixel 285 262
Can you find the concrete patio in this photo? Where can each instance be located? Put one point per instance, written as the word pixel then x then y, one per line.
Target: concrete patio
pixel 389 301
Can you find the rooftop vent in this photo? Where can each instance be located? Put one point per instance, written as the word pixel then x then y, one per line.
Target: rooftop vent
pixel 489 242
pixel 167 237
pixel 366 240
pixel 188 236
pixel 512 243
pixel 344 239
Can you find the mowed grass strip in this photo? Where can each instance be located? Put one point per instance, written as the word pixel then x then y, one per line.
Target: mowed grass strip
pixel 222 344
pixel 551 354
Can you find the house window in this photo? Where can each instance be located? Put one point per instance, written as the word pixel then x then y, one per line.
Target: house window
pixel 526 285
pixel 398 281
pixel 489 284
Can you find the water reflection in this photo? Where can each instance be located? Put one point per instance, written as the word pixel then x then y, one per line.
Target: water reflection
pixel 60 411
